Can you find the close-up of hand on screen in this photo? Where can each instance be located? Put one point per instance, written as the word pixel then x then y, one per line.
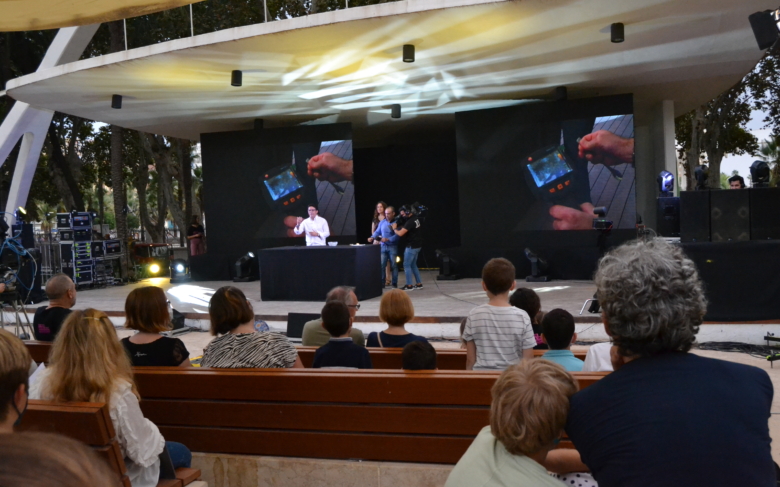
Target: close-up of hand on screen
pixel 572 219
pixel 604 147
pixel 329 167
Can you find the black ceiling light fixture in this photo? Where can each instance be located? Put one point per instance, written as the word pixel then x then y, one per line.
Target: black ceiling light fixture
pixel 617 32
pixel 766 26
pixel 236 77
pixel 395 110
pixel 408 56
pixel 116 101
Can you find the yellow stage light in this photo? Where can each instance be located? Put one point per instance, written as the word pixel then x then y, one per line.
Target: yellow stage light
pixel 154 268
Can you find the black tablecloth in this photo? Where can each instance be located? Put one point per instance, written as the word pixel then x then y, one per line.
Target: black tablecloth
pixel 741 279
pixel 308 273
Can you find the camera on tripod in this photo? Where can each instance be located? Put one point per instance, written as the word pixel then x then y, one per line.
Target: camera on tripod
pixel 601 222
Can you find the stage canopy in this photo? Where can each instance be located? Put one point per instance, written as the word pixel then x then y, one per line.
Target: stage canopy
pixel 52 14
pixel 345 65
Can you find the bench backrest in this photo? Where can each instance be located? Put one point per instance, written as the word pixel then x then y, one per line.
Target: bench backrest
pixel 383 415
pixel 89 423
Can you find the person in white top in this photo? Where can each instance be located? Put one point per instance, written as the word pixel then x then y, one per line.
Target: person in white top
pixel 89 364
pixel 315 227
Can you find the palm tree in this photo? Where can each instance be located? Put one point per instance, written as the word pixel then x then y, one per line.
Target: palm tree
pixel 770 149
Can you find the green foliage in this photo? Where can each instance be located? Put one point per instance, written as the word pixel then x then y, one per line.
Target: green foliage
pixel 770 149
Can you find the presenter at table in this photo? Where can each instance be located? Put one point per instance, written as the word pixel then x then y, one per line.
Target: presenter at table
pixel 315 227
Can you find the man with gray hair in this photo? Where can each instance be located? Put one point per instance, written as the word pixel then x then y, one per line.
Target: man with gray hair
pixel 315 335
pixel 665 416
pixel 47 321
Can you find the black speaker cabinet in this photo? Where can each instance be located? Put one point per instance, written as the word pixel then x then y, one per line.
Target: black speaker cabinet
pixel 694 216
pixel 730 215
pixel 23 233
pixel 764 213
pixel 668 212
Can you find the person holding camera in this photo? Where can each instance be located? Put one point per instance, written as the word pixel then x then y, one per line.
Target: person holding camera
pixel 411 225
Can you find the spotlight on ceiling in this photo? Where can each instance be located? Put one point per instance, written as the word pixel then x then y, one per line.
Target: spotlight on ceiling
pixel 765 26
pixel 116 101
pixel 236 78
pixel 395 110
pixel 617 32
pixel 408 53
pixel 561 93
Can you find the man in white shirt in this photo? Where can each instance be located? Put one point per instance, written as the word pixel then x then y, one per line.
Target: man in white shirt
pixel 316 228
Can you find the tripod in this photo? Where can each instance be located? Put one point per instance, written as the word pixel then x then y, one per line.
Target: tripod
pixel 14 299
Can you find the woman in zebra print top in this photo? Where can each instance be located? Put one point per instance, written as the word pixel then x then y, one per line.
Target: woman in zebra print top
pixel 238 345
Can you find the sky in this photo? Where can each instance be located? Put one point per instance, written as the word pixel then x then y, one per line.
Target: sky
pixel 742 163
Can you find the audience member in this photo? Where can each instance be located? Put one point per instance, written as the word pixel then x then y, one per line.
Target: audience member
pixel 47 321
pixel 314 335
pixel 418 356
pixel 666 416
pixel 497 334
pixel 14 373
pixel 148 312
pixel 340 351
pixel 395 309
pixel 49 460
pixel 598 358
pixel 238 345
pixel 527 300
pixel 88 364
pixel 558 334
pixel 527 415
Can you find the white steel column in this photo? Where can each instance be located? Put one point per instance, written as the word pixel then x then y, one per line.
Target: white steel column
pixel 30 124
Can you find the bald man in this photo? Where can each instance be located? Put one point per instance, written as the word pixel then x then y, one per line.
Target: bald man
pixel 48 319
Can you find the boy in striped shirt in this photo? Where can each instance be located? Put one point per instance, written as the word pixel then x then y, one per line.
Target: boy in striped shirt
pixel 497 334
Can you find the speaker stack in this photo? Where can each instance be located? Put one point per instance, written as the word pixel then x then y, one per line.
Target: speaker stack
pixel 734 215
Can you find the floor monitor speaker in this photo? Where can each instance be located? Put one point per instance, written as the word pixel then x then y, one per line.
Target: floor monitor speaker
pixel 729 215
pixel 695 216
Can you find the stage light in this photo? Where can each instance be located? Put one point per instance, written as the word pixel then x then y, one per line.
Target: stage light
pixel 408 56
pixel 19 214
pixel 154 268
pixel 538 265
pixel 247 268
pixel 179 271
pixel 765 27
pixel 116 101
pixel 701 174
pixel 236 78
pixel 759 174
pixel 395 110
pixel 665 181
pixel 617 32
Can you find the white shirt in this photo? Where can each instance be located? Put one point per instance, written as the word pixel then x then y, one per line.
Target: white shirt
pixel 139 439
pixel 501 333
pixel 319 225
pixel 597 359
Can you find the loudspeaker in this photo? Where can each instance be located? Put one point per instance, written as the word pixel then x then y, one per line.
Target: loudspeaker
pixel 729 215
pixel 764 213
pixel 694 216
pixel 23 233
pixel 29 277
pixel 668 214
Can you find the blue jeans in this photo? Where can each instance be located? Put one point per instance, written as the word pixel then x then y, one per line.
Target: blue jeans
pixel 180 454
pixel 389 252
pixel 410 265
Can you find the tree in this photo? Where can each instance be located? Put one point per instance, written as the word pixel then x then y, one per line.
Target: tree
pixel 770 149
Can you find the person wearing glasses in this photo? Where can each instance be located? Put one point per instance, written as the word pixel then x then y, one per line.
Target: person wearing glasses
pixel 315 335
pixel 148 312
pixel 315 227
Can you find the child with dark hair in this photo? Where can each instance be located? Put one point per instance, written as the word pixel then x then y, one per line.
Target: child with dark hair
pixel 527 300
pixel 418 356
pixel 558 333
pixel 340 351
pixel 497 334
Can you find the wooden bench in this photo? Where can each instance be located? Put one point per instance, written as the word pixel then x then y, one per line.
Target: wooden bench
pixel 91 423
pixel 382 415
pixel 390 358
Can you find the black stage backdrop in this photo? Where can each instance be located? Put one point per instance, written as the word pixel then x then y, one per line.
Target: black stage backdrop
pixel 500 212
pixel 404 174
pixel 241 215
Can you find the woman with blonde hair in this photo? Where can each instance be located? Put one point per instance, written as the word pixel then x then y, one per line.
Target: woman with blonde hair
pixel 395 309
pixel 88 364
pixel 148 312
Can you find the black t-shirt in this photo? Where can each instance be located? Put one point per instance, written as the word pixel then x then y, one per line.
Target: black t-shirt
pixel 342 353
pixel 47 322
pixel 413 233
pixel 195 229
pixel 392 341
pixel 677 419
pixel 161 352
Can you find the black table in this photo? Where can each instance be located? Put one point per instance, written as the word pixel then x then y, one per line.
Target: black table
pixel 308 273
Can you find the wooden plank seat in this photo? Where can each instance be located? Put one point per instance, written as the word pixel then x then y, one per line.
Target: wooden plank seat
pixel 381 358
pixel 91 424
pixel 382 415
